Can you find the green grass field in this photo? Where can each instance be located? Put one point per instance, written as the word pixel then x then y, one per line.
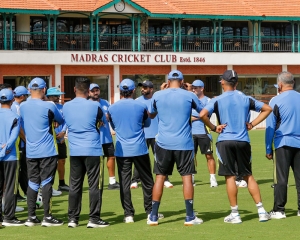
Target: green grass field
pixel 210 203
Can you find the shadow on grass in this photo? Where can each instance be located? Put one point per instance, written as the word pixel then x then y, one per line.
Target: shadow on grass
pixel 262 181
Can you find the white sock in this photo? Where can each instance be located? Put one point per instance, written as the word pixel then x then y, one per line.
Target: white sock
pixel 234 210
pixel 112 180
pixel 260 207
pixel 213 175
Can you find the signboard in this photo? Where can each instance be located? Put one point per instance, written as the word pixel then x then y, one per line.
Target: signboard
pixel 121 58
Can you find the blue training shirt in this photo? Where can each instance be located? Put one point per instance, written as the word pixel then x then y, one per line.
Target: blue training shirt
pixel 38 117
pixel 151 128
pixel 174 107
pixel 82 118
pixel 105 135
pixel 9 135
pixel 198 127
pixel 127 119
pixel 282 124
pixel 62 127
pixel 232 108
pixel 15 107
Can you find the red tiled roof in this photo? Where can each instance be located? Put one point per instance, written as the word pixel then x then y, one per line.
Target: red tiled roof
pixel 200 7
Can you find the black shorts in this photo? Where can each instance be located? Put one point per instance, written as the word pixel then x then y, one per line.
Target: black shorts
pixel 108 149
pixel 234 158
pixel 165 160
pixel 62 150
pixel 204 142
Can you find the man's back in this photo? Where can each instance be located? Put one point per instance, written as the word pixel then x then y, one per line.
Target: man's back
pixel 174 107
pixel 232 108
pixel 38 117
pixel 285 119
pixel 82 118
pixel 127 117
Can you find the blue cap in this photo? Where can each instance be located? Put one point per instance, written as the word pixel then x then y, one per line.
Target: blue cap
pixel 6 95
pixel 54 92
pixel 175 75
pixel 20 90
pixel 94 85
pixel 127 85
pixel 198 83
pixel 38 83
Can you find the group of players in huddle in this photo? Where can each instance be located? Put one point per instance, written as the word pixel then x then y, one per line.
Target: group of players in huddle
pixel 173 121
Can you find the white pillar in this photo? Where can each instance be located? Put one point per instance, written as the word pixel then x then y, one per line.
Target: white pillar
pixel 284 68
pixel 229 67
pixel 116 83
pixel 57 76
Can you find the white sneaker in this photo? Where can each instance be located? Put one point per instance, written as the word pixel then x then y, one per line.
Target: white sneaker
pixel 128 219
pixel 134 185
pixel 56 193
pixel 195 221
pixel 213 182
pixel 277 215
pixel 298 213
pixel 167 184
pixel 152 221
pixel 233 219
pixel 264 217
pixel 19 209
pixel 241 184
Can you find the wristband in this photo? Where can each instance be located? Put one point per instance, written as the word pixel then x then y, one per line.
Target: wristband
pixel 251 125
pixel 214 129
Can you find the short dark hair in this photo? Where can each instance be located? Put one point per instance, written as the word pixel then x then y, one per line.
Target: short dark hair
pixel 82 84
pixel 126 94
pixel 232 84
pixel 5 102
pixel 4 86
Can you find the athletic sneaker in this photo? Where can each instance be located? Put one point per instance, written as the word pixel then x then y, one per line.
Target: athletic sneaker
pixel 152 220
pixel 32 221
pixel 19 209
pixel 56 193
pixel 213 182
pixel 51 222
pixel 73 224
pixel 134 185
pixel 264 216
pixel 115 186
pixel 97 224
pixel 298 213
pixel 159 215
pixel 13 223
pixel 277 215
pixel 241 184
pixel 190 221
pixel 63 188
pixel 233 219
pixel 128 219
pixel 168 184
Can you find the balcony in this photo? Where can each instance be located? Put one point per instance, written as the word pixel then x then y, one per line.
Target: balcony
pixel 145 42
